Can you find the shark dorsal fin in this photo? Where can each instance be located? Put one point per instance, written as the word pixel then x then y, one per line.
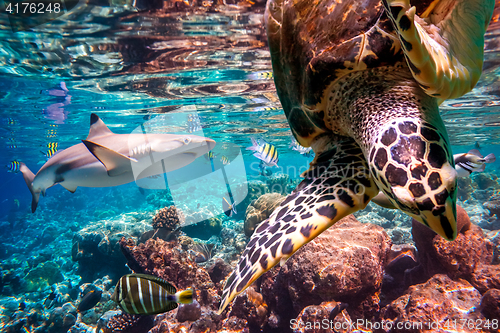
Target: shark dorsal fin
pixel 97 127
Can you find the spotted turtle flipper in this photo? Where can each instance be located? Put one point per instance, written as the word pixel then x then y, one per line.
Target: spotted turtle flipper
pixel 337 184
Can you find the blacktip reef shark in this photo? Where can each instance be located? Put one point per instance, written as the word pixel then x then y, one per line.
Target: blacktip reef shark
pixel 107 159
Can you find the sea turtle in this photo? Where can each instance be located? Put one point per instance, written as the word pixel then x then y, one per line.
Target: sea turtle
pixel 360 82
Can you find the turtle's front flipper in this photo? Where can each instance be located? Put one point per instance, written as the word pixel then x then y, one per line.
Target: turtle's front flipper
pixel 444 48
pixel 337 184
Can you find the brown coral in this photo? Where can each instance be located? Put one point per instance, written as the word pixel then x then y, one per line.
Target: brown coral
pixel 251 307
pixel 168 261
pixel 169 218
pixel 127 323
pixel 260 209
pixel 166 222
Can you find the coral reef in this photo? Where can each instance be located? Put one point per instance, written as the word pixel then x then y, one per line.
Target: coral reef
pixel 493 207
pixel 325 318
pixel 317 271
pixel 256 189
pixel 168 261
pixel 251 307
pixel 490 304
pixel 486 180
pixel 343 263
pixel 117 321
pixel 166 222
pixel 43 276
pixel 279 183
pixel 97 250
pixel 204 229
pixel 60 320
pixel 461 258
pixel 494 238
pixel 400 259
pixel 444 299
pixel 188 312
pixel 261 209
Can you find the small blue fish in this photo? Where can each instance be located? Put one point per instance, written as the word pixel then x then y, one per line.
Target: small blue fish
pixel 264 170
pixel 228 209
pixel 265 152
pixel 13 166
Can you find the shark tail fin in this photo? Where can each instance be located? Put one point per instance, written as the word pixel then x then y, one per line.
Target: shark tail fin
pixel 28 178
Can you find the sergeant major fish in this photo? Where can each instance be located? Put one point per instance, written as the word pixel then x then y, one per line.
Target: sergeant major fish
pixel 265 152
pixel 147 294
pixel 13 166
pixel 306 151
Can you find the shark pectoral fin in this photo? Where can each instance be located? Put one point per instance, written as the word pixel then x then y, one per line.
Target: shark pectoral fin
pixel 115 163
pixel 383 201
pixel 71 188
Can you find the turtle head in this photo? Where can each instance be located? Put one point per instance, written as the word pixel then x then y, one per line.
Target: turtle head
pixel 412 164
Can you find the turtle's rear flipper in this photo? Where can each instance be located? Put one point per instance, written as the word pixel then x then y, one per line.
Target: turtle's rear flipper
pixel 337 184
pixel 444 48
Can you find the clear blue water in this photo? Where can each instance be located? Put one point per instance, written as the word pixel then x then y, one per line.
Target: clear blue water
pixel 130 67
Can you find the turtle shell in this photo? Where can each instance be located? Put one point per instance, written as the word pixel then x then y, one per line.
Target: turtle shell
pixel 315 42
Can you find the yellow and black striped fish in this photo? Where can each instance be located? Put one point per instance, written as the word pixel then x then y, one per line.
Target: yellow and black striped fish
pixel 147 294
pixel 52 149
pixel 261 75
pixel 210 156
pixel 13 166
pixel 265 152
pixel 53 145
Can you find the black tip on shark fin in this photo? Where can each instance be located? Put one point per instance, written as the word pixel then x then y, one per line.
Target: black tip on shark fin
pixel 93 119
pixel 97 127
pixel 34 202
